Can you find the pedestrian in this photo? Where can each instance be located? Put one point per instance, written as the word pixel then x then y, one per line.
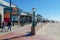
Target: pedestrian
pixel 3 27
pixel 9 26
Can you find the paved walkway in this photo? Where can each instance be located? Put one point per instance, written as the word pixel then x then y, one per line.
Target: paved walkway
pixel 52 30
pixel 16 28
pixel 20 33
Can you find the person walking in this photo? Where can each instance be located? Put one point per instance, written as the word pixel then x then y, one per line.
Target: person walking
pixel 9 26
pixel 3 27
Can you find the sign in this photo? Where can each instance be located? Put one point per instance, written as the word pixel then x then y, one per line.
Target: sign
pixel 23 14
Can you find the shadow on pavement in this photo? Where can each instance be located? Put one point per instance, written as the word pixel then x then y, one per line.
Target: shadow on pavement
pixel 26 35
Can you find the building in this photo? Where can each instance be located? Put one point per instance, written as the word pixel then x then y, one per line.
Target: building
pixel 17 14
pixel 25 17
pixel 39 18
pixel 5 10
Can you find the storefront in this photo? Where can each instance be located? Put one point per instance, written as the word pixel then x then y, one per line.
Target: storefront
pixel 15 19
pixel 25 18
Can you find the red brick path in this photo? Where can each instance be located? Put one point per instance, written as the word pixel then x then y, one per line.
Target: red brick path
pixel 19 35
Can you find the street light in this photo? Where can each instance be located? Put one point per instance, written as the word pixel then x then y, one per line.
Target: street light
pixel 33 22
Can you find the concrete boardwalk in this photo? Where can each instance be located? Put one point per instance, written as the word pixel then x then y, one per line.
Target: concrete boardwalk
pixel 52 30
pixel 18 33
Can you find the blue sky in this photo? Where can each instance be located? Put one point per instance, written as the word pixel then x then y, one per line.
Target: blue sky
pixel 49 9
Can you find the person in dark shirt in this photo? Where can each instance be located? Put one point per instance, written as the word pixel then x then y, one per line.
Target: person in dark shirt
pixel 9 26
pixel 3 27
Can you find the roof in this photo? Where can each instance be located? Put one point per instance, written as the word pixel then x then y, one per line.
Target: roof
pixel 6 3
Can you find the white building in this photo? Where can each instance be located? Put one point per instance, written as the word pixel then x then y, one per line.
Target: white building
pixel 2 4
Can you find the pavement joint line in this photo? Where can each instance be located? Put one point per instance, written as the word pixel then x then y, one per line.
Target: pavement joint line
pixel 41 29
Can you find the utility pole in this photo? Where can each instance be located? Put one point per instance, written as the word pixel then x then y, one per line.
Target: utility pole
pixel 10 12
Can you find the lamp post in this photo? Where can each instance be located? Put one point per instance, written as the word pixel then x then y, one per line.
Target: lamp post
pixel 33 22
